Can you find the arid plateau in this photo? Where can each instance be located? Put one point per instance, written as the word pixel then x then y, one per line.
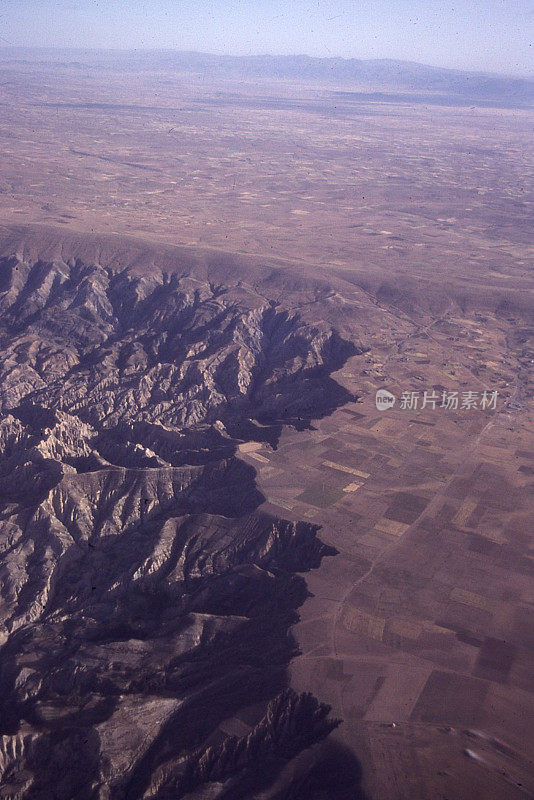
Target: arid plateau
pixel 225 570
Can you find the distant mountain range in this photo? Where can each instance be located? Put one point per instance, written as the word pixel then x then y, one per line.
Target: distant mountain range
pixel 353 73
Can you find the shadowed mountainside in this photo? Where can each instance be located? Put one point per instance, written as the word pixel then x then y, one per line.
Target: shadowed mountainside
pixel 144 599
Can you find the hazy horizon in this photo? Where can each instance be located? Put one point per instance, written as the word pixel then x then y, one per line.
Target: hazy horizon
pixel 50 49
pixel 490 36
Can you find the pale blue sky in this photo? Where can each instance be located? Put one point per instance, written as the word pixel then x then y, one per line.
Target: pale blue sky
pixel 492 35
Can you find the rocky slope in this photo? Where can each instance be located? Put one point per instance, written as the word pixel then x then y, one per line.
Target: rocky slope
pixel 144 599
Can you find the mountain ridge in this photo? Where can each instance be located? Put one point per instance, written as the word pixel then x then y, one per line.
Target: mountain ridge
pixel 376 74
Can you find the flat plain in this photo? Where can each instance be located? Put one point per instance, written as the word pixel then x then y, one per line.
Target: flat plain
pixel 419 632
